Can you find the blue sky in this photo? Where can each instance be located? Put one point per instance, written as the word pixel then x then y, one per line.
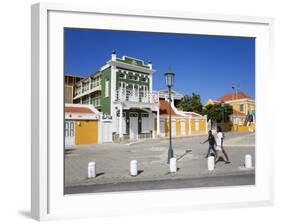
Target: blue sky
pixel 207 65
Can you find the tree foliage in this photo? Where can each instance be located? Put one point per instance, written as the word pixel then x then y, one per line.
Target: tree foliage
pixel 218 113
pixel 191 103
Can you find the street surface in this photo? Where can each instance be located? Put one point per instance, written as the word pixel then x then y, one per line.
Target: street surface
pixel 113 161
pixel 216 181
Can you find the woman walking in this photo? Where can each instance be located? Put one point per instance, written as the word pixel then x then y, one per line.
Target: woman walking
pixel 220 138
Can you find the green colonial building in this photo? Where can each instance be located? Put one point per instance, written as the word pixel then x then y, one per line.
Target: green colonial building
pixel 122 91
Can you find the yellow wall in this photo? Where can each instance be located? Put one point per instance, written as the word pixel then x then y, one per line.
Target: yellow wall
pixel 86 132
pixel 192 126
pixel 178 127
pixel 167 125
pixel 187 126
pixel 243 128
pixel 248 106
pixel 202 126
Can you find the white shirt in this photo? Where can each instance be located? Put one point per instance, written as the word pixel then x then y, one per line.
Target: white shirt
pixel 219 138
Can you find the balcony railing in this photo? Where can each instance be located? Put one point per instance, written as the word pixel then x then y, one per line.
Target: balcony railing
pixel 136 96
pixel 84 92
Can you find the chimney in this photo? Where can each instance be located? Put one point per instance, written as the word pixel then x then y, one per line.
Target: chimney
pixel 113 55
pixel 150 64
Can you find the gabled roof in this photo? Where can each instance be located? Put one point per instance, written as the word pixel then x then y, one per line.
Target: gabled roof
pixel 165 109
pixel 165 93
pixel 80 111
pixel 74 109
pixel 192 114
pixel 233 96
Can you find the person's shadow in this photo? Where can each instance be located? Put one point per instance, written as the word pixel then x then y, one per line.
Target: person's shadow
pixel 220 159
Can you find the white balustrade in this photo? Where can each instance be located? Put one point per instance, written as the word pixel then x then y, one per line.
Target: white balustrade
pixel 132 95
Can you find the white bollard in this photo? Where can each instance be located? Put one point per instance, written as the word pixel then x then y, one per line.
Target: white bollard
pixel 134 168
pixel 91 170
pixel 211 163
pixel 248 161
pixel 173 165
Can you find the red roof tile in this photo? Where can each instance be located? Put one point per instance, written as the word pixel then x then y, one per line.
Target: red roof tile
pixel 233 96
pixel 78 110
pixel 165 109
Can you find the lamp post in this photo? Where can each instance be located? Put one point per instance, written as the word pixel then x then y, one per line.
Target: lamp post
pixel 222 104
pixel 169 77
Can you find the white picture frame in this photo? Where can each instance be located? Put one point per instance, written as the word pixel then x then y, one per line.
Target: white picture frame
pixel 48 201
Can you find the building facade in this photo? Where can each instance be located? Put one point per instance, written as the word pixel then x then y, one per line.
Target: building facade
pixel 128 108
pixel 69 87
pixel 182 123
pixel 81 125
pixel 244 111
pixel 122 91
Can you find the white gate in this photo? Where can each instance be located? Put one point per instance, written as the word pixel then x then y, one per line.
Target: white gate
pixel 69 133
pixel 106 131
pixel 133 125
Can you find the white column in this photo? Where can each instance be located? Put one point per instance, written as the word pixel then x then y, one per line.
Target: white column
pixel 121 121
pixel 211 163
pixel 189 126
pixel 248 161
pixel 150 76
pixel 206 124
pixel 100 128
pixel 134 167
pixel 173 165
pixel 113 56
pixel 150 82
pixel 125 90
pixel 138 95
pixel 158 122
pixel 91 170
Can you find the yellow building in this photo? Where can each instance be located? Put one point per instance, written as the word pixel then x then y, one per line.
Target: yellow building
pixel 183 123
pixel 81 125
pixel 243 117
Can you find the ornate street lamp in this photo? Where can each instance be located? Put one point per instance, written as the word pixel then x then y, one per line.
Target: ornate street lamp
pixel 222 104
pixel 169 77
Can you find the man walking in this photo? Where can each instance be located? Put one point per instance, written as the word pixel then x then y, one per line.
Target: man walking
pixel 212 144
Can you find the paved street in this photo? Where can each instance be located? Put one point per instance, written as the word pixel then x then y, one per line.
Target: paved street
pixel 217 181
pixel 112 161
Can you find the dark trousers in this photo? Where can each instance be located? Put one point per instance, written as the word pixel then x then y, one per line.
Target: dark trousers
pixel 211 147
